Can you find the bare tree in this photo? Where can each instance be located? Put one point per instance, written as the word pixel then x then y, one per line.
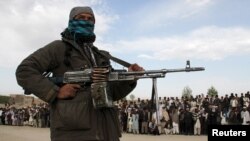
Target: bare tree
pixel 212 91
pixel 187 92
pixel 132 97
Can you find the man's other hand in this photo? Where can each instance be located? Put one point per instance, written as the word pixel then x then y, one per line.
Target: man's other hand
pixel 135 67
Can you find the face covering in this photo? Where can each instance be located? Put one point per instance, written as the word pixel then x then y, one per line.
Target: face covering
pixel 81 29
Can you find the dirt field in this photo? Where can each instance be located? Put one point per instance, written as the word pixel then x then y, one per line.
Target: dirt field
pixel 14 133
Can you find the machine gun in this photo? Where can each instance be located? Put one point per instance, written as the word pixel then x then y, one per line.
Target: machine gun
pixel 84 76
pixel 100 91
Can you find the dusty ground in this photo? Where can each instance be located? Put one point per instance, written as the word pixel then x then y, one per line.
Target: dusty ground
pixel 14 133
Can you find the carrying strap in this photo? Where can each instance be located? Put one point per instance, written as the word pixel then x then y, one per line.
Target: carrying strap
pixel 117 60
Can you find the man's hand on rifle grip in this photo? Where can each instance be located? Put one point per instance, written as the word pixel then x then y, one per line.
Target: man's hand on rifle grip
pixel 68 91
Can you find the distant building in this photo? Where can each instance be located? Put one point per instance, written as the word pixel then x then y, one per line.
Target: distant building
pixel 2 105
pixel 20 100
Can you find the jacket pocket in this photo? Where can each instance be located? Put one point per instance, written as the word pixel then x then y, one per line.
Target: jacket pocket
pixel 71 115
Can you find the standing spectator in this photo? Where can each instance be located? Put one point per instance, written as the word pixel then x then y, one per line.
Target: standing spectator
pixel 188 119
pixel 164 118
pixel 130 123
pixel 145 121
pixel 203 120
pixel 216 102
pixel 1 114
pixel 181 121
pixel 197 123
pixel 234 117
pixel 31 117
pixel 175 120
pixel 193 104
pixel 225 103
pixel 124 119
pixel 223 115
pixel 9 117
pixel 246 100
pixel 205 104
pixel 245 116
pixel 212 116
pixel 233 102
pixel 135 120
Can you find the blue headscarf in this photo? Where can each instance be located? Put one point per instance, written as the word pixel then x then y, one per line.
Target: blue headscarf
pixel 81 28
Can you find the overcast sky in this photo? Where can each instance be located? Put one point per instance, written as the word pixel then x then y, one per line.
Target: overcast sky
pixel 161 34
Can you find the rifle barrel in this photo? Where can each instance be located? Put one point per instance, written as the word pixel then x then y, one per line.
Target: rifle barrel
pixel 163 71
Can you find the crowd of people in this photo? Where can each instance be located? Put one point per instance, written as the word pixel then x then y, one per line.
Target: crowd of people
pixel 188 116
pixel 184 115
pixel 35 115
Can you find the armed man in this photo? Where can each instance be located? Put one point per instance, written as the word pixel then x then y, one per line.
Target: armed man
pixel 79 83
pixel 74 114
